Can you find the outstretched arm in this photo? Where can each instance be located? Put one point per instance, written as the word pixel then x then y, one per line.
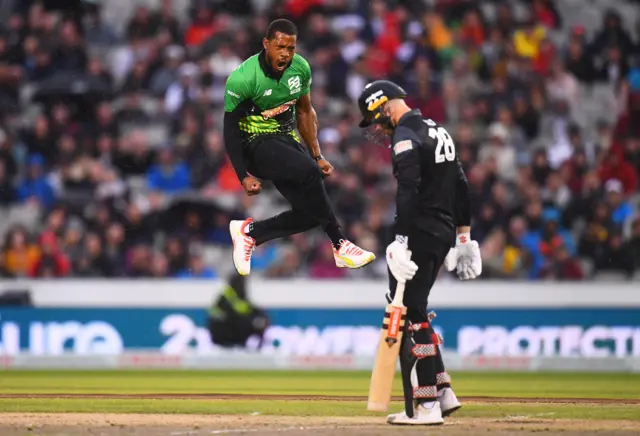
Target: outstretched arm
pixel 308 124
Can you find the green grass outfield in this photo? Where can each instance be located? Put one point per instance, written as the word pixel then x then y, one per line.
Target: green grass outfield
pixel 309 383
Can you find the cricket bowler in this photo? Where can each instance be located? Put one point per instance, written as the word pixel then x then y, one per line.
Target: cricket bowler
pixel 431 228
pixel 265 98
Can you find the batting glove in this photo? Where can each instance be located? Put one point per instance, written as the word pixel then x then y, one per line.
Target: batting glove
pixel 464 258
pixel 399 260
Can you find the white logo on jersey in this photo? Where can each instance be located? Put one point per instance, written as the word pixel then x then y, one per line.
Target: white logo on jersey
pixel 232 93
pixel 294 84
pixel 267 92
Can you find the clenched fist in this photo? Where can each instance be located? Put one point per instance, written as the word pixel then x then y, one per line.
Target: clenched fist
pixel 326 167
pixel 251 185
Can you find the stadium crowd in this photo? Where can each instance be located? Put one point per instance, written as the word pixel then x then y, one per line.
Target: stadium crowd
pixel 112 162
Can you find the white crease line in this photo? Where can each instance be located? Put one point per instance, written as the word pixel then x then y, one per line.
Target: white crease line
pixel 248 430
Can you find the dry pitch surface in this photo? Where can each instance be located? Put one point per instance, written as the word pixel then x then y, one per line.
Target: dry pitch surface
pixel 167 403
pixel 76 424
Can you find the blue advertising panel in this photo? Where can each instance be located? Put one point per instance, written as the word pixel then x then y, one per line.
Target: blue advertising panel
pixel 493 332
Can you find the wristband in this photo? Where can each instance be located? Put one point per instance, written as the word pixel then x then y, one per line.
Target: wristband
pixel 463 238
pixel 318 157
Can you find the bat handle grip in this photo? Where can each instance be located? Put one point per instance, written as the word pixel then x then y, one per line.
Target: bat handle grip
pixel 399 296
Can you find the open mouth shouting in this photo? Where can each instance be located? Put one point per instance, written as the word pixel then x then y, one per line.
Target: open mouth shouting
pixel 281 65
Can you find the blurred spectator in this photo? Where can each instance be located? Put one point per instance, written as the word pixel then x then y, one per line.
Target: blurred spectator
pixel 324 266
pixel 616 256
pixel 620 209
pixel 562 267
pixel 615 167
pixel 19 253
pixel 51 262
pixel 501 151
pixel 196 269
pixel 526 41
pixel 35 187
pixel 168 176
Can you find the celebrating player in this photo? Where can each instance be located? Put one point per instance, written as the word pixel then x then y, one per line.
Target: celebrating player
pixel 265 97
pixel 432 206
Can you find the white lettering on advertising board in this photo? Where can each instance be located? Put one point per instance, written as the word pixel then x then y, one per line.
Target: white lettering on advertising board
pixel 569 341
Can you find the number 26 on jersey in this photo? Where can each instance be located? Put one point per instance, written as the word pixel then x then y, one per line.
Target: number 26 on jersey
pixel 445 148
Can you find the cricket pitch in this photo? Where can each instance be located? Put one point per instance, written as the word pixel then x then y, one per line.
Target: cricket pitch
pixel 167 424
pixel 192 403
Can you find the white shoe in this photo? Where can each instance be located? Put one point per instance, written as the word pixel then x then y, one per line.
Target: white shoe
pixel 448 402
pixel 243 246
pixel 422 416
pixel 351 256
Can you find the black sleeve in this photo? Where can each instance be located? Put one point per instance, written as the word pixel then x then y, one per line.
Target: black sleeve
pixel 406 156
pixel 463 207
pixel 233 142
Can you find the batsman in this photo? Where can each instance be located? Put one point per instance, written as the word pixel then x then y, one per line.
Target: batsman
pixel 266 97
pixel 431 228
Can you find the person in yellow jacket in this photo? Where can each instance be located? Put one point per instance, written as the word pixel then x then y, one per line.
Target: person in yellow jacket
pixel 526 41
pixel 232 319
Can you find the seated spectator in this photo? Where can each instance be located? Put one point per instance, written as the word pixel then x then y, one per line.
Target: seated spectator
pixel 168 176
pixel 561 266
pixel 94 261
pixel 264 256
pixel 621 210
pixel 159 266
pixel 35 187
pixel 614 166
pixel 324 266
pixel 500 149
pixel 526 41
pixel 544 242
pixel 515 257
pixel 52 262
pixel 196 268
pixel 289 265
pixel 617 256
pixel 599 227
pixel 19 253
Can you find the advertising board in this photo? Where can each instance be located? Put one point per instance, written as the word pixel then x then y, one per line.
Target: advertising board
pixel 501 332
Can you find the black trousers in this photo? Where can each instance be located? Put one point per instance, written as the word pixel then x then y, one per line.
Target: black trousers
pixel 286 163
pixel 422 367
pixel 428 252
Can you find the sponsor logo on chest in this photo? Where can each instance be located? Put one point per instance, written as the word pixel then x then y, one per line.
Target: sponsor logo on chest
pixel 270 113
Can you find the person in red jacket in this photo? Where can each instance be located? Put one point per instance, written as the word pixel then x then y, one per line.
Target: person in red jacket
pixel 52 262
pixel 615 167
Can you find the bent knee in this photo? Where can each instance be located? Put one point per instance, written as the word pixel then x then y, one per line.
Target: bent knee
pixel 310 173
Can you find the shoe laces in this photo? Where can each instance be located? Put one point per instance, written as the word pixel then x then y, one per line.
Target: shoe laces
pixel 350 249
pixel 249 245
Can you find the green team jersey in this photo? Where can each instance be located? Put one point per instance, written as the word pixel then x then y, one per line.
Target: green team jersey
pixel 268 102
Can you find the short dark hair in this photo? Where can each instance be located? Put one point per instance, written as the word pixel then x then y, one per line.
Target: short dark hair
pixel 283 26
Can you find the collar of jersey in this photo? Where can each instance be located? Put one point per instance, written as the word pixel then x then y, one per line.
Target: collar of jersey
pixel 411 113
pixel 266 68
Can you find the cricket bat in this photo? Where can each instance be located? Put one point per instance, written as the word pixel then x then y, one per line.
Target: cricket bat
pixel 384 367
